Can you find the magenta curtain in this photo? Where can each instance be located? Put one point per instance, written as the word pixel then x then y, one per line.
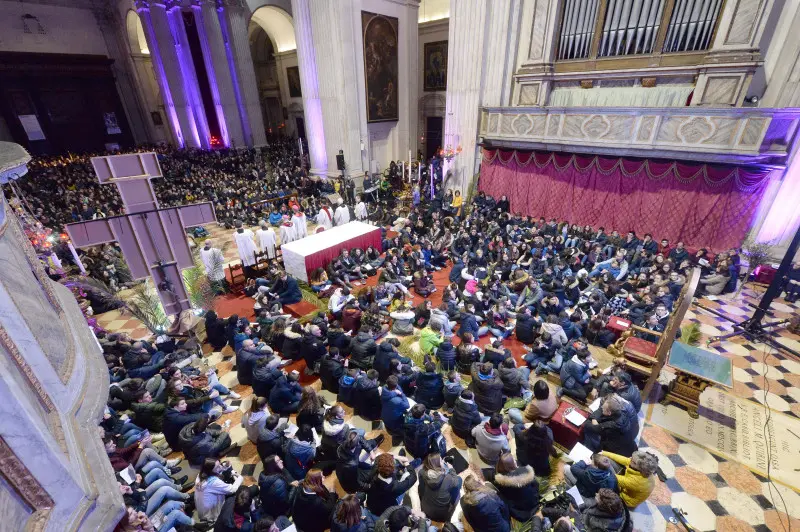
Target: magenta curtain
pixel 702 205
pixel 323 257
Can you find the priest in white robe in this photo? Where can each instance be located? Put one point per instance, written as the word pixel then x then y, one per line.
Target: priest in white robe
pixel 342 214
pixel 266 239
pixel 214 264
pixel 325 218
pixel 246 246
pixel 300 224
pixel 286 230
pixel 361 210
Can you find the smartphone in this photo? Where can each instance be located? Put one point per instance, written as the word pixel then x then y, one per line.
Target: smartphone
pixel 144 434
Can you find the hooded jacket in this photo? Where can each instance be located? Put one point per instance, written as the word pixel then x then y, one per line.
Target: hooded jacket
pixel 284 395
pixel 574 373
pixel 441 317
pixel 311 512
pixel 312 350
pixel 264 379
pixel 438 493
pixel 347 386
pixel 490 442
pixel 353 474
pixel 634 488
pixel 452 390
pixel 292 343
pixel 207 444
pixel 383 359
pixel 367 398
pixel 337 338
pixel 596 520
pixel 418 433
pixel 486 511
pixel 366 524
pixel 520 490
pixel 276 492
pixel 271 441
pixel 430 389
pixel 446 354
pixel 330 371
pixel 253 423
pixel 465 417
pixel 393 407
pixel 245 363
pixel 382 495
pixel 174 421
pixel 429 339
pixel 512 380
pixel 590 479
pixel 362 350
pixel 488 390
pixel 298 457
pixel 525 327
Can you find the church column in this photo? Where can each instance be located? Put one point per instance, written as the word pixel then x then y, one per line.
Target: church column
pixel 312 105
pixel 465 59
pixel 218 70
pixel 235 16
pixel 502 40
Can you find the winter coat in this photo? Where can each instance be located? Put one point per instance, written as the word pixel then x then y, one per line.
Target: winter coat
pixel 520 490
pixel 446 354
pixel 465 417
pixel 330 371
pixel 452 390
pixel 208 444
pixel 174 421
pixel 574 373
pixel 353 474
pixel 382 495
pixel 488 391
pixel 418 434
pixel 512 380
pixel 292 343
pixel 276 492
pixel 393 407
pixel 298 458
pixel 284 395
pixel 362 350
pixel 525 328
pixel 311 418
pixel 271 441
pixel 490 442
pixel 264 380
pixel 531 453
pixel 590 479
pixel 430 390
pixel 366 399
pixel 438 493
pixel 441 317
pixel 149 415
pixel 469 324
pixel 634 488
pixel 486 511
pixel 338 339
pixel 253 423
pixel 428 340
pixel 617 432
pixel 383 359
pixel 245 364
pixel 346 393
pixel 596 520
pixel 230 521
pixel 351 319
pixel 311 512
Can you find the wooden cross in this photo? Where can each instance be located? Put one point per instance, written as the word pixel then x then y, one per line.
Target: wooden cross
pixel 153 240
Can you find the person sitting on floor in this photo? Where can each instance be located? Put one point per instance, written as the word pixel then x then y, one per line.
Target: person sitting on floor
pixel 216 481
pixel 452 389
pixel 542 406
pixel 518 487
pixel 430 387
pixel 200 441
pixel 483 507
pixel 422 432
pixel 576 381
pixel 491 439
pixel 606 513
pixel 331 369
pixel 439 488
pixel 366 397
pixel 393 477
pixel 620 383
pixel 591 477
pixel 638 481
pixel 284 398
pixel 271 439
pixel 254 419
pixel 362 349
pixel 535 446
pixel 487 387
pixel 613 427
pixel 314 504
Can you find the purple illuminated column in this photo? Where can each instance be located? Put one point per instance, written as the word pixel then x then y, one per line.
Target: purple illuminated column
pixel 246 133
pixel 143 8
pixel 312 106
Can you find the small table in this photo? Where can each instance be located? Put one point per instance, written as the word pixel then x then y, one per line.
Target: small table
pixel 696 369
pixel 618 325
pixel 565 433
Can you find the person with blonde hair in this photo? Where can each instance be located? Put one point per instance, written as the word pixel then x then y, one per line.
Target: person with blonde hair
pixel 638 481
pixel 314 504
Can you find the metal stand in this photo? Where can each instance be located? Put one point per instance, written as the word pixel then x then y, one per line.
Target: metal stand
pixel 752 328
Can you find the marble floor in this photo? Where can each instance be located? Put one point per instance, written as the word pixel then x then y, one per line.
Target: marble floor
pixel 715 491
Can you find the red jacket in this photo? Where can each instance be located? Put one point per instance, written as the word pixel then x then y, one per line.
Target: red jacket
pixel 122 457
pixel 351 319
pixel 664 250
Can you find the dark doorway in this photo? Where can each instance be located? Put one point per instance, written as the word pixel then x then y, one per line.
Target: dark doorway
pixel 433 135
pixel 301 127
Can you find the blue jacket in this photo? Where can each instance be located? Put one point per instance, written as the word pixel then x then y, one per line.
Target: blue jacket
pixel 446 354
pixel 284 394
pixel 393 407
pixel 452 391
pixel 383 360
pixel 590 479
pixel 264 380
pixel 291 292
pixel 245 363
pixel 469 324
pixel 430 389
pixel 276 492
pixel 238 340
pixel 574 374
pixel 365 397
pixel 174 421
pixel 346 386
pixel 417 434
pixel 298 458
pixel 455 273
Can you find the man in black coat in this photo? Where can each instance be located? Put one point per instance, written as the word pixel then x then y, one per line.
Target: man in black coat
pixel 175 418
pixel 362 349
pixel 420 431
pixel 366 397
pixel 331 370
pixel 465 416
pixel 487 387
pixel 526 326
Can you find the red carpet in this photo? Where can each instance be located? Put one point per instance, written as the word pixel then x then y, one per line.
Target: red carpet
pixel 243 306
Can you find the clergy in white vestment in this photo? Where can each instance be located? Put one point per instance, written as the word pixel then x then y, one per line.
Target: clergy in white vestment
pixel 213 261
pixel 300 224
pixel 361 210
pixel 266 239
pixel 342 214
pixel 287 230
pixel 325 217
pixel 246 246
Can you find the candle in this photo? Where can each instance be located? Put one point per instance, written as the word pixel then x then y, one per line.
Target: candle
pixel 76 257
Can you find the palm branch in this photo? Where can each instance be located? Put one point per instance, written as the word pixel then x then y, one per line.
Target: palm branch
pixel 146 306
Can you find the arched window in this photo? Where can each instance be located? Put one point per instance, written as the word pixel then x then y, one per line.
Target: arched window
pixel 136 34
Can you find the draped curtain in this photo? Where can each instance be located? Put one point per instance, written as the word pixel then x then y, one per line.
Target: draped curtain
pixel 703 205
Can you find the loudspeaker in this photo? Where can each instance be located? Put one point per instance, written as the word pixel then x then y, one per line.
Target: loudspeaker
pixel 340 161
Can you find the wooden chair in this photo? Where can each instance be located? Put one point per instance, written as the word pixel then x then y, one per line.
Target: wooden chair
pixel 639 353
pixel 238 279
pixel 262 262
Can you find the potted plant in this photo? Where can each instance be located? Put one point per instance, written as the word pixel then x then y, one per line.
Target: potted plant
pixel 756 254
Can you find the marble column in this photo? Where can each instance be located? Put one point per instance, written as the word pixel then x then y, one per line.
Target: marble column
pixel 502 40
pixel 218 70
pixel 174 104
pixel 783 89
pixel 535 54
pixel 465 61
pixel 235 16
pixel 312 105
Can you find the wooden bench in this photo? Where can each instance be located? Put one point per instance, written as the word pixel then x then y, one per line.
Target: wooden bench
pixel 301 308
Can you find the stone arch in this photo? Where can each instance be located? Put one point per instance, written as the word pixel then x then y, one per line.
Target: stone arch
pixel 136 37
pixel 278 24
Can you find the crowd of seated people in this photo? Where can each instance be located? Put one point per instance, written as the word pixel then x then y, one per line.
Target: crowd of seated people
pixel 553 286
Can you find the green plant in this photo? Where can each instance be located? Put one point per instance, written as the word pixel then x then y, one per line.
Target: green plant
pixel 146 306
pixel 755 253
pixel 201 293
pixel 405 349
pixel 690 334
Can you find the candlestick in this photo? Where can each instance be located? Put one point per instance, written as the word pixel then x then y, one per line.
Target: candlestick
pixel 76 257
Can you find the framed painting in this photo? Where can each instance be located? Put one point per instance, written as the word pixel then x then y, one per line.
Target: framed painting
pixel 293 79
pixel 380 66
pixel 435 66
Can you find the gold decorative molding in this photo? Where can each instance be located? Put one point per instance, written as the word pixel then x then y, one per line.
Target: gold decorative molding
pixel 649 82
pixel 25 484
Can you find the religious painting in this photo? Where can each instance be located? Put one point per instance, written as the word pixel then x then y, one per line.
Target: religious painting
pixel 380 66
pixel 293 77
pixel 435 66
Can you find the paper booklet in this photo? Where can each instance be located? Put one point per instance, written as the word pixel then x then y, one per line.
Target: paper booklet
pixel 576 418
pixel 595 405
pixel 581 453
